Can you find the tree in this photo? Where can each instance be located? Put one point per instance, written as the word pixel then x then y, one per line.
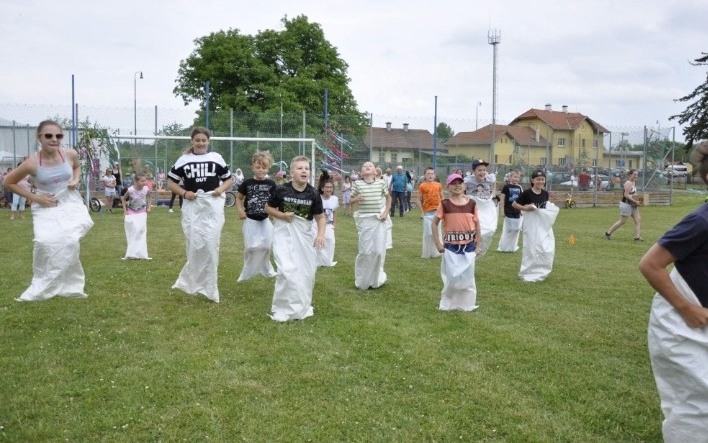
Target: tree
pixel 696 114
pixel 260 74
pixel 445 132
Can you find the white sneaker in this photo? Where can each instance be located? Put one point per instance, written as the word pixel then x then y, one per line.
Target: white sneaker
pixel 170 211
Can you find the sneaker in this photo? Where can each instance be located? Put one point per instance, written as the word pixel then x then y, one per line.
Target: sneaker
pixel 638 239
pixel 170 211
pixel 608 235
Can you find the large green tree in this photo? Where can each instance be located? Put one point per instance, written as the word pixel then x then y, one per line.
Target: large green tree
pixel 258 74
pixel 695 116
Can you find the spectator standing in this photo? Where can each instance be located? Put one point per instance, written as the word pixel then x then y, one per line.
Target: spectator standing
pixel 398 190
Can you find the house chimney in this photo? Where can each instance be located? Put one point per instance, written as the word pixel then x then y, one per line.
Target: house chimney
pixel 388 126
pixel 565 108
pixel 405 127
pixel 548 107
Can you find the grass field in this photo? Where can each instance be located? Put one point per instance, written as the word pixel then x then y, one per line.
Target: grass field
pixel 561 360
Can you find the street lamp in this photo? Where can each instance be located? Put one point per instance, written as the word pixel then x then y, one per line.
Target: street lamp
pixel 135 105
pixel 476 116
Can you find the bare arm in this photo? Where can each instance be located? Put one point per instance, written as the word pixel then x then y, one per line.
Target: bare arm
pixel 653 267
pixel 627 190
pixel 436 234
pixel 321 222
pixel 384 214
pixel 240 198
pixel 275 213
pixel 75 168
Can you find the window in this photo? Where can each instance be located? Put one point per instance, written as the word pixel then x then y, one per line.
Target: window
pixel 582 143
pixel 382 158
pixel 561 141
pixel 594 142
pixel 594 162
pixel 542 161
pixel 394 157
pixel 561 161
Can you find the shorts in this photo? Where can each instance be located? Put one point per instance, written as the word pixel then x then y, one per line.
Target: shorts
pixel 626 210
pixel 110 192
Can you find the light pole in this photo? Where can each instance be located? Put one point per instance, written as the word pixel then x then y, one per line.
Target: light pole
pixel 135 105
pixel 476 116
pixel 622 149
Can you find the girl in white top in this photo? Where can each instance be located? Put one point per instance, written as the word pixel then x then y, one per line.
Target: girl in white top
pixel 330 203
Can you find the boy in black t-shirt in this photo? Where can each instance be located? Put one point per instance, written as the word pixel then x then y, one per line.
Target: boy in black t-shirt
pixel 293 206
pixel 535 197
pixel 509 240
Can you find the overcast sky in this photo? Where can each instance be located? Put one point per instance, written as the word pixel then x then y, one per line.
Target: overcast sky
pixel 621 63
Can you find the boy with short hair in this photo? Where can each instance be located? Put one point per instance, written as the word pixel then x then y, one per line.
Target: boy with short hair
pixel 373 200
pixel 461 233
pixel 430 194
pixel 293 207
pixel 251 198
pixel 509 240
pixel 482 188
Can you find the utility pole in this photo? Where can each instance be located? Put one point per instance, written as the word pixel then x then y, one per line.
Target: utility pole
pixel 493 38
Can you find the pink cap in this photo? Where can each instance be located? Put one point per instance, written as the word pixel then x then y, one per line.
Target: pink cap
pixel 453 177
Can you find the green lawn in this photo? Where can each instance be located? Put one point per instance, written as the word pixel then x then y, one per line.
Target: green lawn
pixel 561 360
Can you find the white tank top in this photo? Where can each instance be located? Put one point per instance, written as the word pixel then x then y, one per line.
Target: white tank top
pixel 52 179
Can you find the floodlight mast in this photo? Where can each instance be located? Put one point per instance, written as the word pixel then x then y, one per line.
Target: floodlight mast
pixel 493 38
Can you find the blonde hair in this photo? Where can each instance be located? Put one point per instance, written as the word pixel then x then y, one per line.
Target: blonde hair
pixel 297 159
pixel 263 158
pixel 699 158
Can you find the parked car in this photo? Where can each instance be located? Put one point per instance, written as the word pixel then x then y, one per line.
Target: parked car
pixel 676 171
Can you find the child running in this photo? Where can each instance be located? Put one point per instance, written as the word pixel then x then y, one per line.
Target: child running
pixel 430 194
pixel 330 203
pixel 373 200
pixel 482 187
pixel 539 244
pixel 346 195
pixel 251 198
pixel 461 231
pixel 136 205
pixel 293 206
pixel 509 240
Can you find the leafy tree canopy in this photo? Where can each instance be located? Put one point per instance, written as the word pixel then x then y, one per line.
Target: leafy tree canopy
pixel 695 116
pixel 445 132
pixel 257 74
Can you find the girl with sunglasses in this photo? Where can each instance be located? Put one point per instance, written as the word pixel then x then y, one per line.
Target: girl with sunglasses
pixel 59 216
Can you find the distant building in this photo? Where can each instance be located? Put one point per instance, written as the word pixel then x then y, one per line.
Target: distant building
pixel 390 146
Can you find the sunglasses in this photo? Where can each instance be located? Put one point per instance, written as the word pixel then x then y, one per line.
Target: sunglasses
pixel 50 136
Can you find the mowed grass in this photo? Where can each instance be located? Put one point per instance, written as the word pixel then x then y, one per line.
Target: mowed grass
pixel 560 360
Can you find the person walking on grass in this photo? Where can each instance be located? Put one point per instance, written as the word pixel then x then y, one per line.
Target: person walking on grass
pixel 430 194
pixel 293 206
pixel 373 202
pixel 398 191
pixel 136 206
pixel 629 207
pixel 253 194
pixel 109 188
pixel 678 323
pixel 59 216
pixel 459 247
pixel 205 177
pixel 19 202
pixel 347 195
pixel 330 203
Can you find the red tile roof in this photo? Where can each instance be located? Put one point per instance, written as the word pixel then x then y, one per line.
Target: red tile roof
pixel 523 135
pixel 395 138
pixel 559 120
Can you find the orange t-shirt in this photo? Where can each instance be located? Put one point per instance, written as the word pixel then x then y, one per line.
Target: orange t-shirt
pixel 430 195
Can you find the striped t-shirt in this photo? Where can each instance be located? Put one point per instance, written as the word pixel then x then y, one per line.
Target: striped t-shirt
pixel 374 195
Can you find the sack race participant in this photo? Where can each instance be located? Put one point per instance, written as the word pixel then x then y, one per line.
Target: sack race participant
pixel 205 177
pixel 678 324
pixel 59 215
pixel 461 224
pixel 253 194
pixel 330 203
pixel 430 194
pixel 509 240
pixel 373 201
pixel 293 206
pixel 539 243
pixel 136 205
pixel 482 187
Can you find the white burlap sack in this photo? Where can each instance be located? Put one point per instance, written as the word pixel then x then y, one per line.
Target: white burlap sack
pixel 369 264
pixel 539 243
pixel 257 243
pixel 295 257
pixel 509 240
pixel 325 256
pixel 202 221
pixel 56 266
pixel 136 235
pixel 429 248
pixel 459 286
pixel 679 359
pixel 488 219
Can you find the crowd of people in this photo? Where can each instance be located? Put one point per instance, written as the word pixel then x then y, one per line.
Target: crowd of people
pixel 293 224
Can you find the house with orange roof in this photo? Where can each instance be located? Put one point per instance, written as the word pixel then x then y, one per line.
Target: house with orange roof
pixel 391 146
